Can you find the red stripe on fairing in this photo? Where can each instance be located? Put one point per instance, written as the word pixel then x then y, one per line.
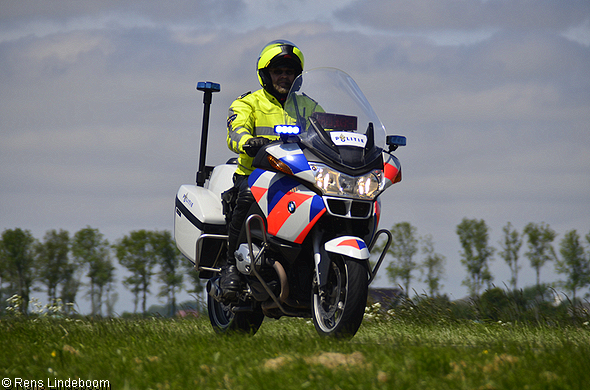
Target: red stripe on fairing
pixel 280 213
pixel 258 192
pixel 352 242
pixel 390 171
pixel 304 232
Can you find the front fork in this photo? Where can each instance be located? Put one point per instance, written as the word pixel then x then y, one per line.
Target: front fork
pixel 321 259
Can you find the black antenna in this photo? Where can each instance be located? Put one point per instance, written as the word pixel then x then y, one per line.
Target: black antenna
pixel 208 88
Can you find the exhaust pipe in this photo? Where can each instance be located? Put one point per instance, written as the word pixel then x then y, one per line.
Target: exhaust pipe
pixel 213 288
pixel 266 306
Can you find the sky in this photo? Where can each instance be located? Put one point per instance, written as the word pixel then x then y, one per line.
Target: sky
pixel 100 119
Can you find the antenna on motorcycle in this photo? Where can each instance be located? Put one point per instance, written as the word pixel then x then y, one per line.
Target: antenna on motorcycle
pixel 370 133
pixel 208 88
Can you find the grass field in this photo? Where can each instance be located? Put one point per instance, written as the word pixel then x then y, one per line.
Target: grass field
pixel 162 353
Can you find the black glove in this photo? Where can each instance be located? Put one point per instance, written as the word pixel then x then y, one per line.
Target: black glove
pixel 253 145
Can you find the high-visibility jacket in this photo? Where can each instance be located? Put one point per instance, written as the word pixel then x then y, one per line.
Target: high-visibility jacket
pixel 255 115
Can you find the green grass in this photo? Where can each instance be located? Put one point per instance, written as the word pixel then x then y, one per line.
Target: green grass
pixel 288 354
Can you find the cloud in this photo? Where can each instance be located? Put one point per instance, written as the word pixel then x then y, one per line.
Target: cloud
pixel 174 10
pixel 466 14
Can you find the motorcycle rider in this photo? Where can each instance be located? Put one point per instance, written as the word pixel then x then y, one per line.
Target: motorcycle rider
pixel 250 126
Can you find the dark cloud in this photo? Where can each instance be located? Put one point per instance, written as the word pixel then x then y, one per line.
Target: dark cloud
pixel 466 15
pixel 208 12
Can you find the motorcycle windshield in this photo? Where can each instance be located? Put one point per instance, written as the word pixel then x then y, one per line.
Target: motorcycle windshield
pixel 335 118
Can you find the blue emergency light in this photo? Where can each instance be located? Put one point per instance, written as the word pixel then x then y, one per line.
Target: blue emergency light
pixel 287 129
pixel 208 86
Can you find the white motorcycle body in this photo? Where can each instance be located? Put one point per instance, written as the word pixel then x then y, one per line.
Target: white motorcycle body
pixel 199 210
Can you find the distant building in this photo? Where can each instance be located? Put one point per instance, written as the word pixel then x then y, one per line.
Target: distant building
pixel 187 313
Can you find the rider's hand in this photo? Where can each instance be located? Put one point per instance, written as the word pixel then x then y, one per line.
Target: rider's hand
pixel 253 145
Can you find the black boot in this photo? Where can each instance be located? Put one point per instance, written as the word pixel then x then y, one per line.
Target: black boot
pixel 230 282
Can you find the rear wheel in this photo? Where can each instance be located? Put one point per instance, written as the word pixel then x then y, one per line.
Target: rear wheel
pixel 224 320
pixel 339 306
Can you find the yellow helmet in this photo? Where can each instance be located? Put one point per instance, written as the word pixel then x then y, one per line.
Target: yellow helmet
pixel 278 53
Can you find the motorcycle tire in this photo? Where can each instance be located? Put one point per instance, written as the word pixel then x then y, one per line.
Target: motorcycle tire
pixel 338 309
pixel 224 320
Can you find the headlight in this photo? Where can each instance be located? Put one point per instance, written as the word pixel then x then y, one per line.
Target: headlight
pixel 332 182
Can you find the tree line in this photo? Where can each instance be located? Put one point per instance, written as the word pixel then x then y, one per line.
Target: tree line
pixel 57 263
pixel 572 259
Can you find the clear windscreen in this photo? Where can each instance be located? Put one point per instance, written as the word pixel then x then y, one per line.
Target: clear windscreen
pixel 331 100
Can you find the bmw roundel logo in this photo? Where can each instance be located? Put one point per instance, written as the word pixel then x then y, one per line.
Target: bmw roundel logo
pixel 291 207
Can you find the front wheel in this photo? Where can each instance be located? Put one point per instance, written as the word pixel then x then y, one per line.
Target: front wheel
pixel 339 306
pixel 224 320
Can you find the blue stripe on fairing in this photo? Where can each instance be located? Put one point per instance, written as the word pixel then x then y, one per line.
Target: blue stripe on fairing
pixel 254 176
pixel 361 244
pixel 278 189
pixel 297 162
pixel 317 205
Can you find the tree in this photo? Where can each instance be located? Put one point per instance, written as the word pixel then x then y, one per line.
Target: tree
pixel 574 263
pixel 70 285
pixel 102 274
pixel 403 248
pixel 136 253
pixel 539 239
pixel 510 246
pixel 53 261
pixel 476 255
pixel 195 282
pixel 171 274
pixel 432 267
pixel 4 276
pixel 17 253
pixel 111 298
pixel 92 251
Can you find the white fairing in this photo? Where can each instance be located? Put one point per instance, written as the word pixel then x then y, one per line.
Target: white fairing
pixel 349 246
pixel 197 207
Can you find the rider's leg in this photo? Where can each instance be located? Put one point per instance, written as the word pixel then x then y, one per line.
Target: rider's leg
pixel 230 276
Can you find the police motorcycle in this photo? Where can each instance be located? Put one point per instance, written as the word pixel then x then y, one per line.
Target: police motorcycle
pixel 306 244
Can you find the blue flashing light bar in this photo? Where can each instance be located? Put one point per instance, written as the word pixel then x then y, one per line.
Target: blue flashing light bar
pixel 396 140
pixel 208 86
pixel 287 129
